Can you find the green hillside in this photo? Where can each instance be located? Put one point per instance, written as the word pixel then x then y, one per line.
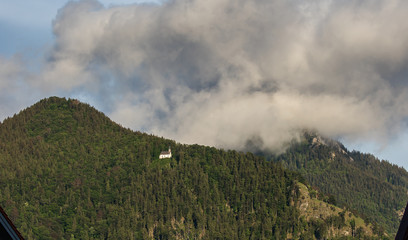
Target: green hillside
pixel 332 221
pixel 376 189
pixel 68 172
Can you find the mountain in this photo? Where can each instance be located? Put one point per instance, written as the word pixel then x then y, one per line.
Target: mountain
pixel 330 221
pixel 69 172
pixel 376 189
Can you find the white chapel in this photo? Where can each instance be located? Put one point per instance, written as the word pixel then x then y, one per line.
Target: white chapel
pixel 165 154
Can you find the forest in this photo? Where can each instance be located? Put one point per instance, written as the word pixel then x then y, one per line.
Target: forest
pixel 375 189
pixel 69 172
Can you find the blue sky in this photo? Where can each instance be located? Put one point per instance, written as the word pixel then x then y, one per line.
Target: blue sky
pixel 26 26
pixel 170 68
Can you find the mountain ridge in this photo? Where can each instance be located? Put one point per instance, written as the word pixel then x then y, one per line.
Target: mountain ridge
pixel 73 173
pixel 376 189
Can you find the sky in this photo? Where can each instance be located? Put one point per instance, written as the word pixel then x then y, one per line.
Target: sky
pixel 225 73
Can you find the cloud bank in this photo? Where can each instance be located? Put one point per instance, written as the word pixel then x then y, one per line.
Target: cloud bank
pixel 229 72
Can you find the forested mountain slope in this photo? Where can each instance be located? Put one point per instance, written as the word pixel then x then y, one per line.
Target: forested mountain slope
pixel 68 172
pixel 376 189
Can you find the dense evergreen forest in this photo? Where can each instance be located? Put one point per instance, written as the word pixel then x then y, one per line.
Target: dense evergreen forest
pixel 376 189
pixel 69 172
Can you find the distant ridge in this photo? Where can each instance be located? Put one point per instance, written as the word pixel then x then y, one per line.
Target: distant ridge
pixel 376 189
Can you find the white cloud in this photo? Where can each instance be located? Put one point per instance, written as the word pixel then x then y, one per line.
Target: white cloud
pixel 16 91
pixel 222 72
